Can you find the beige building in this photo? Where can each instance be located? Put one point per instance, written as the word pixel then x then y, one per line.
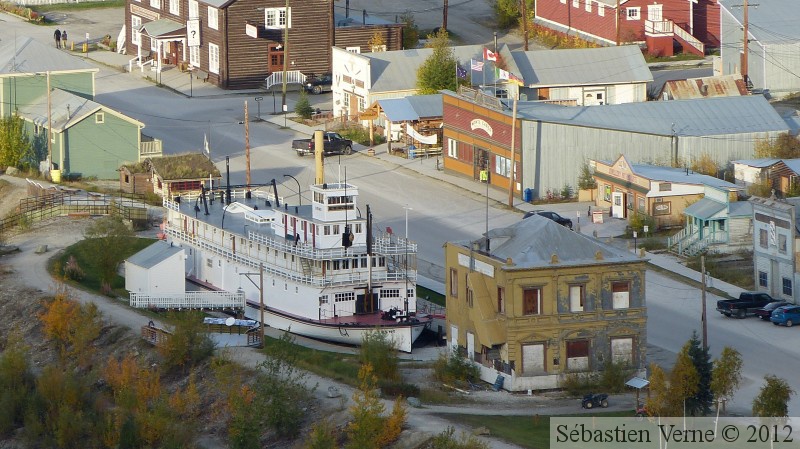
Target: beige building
pixel 543 301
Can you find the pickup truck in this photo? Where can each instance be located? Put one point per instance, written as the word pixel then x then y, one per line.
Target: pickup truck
pixel 747 303
pixel 334 144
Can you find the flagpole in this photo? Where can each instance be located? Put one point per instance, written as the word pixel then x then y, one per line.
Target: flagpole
pixel 483 69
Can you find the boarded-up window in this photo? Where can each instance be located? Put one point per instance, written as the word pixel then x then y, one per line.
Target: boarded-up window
pixel 454 283
pixel 532 359
pixel 532 301
pixel 576 298
pixel 621 295
pixel 622 350
pixel 578 355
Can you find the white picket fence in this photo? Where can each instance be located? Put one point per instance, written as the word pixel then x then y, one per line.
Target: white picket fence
pixel 189 300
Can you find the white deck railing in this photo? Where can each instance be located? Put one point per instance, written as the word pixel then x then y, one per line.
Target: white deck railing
pixel 189 300
pixel 691 40
pixel 292 77
pixel 658 26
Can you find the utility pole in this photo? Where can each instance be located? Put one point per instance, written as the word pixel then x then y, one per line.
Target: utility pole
pixel 616 22
pixel 524 10
pixel 49 129
pixel 285 59
pixel 444 16
pixel 744 62
pixel 512 175
pixel 703 299
pixel 261 299
pixel 247 145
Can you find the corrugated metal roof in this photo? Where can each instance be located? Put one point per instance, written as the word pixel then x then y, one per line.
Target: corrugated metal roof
pixel 398 110
pixel 25 55
pixel 706 117
pixel 706 87
pixel 757 163
pixel 606 65
pixel 162 27
pixel 793 164
pixel 680 176
pixel 531 243
pixel 357 19
pixel 740 209
pixel 67 109
pixel 154 254
pixel 397 70
pixel 773 21
pixel 427 106
pixel 704 209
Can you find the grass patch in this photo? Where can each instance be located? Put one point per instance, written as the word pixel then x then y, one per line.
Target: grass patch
pixel 736 269
pixel 680 57
pixel 525 431
pixel 430 295
pixel 80 6
pixel 90 267
pixel 341 367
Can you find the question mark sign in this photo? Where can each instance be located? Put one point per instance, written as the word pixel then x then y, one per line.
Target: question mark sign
pixel 193 33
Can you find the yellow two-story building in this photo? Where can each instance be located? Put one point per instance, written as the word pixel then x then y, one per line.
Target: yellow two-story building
pixel 535 301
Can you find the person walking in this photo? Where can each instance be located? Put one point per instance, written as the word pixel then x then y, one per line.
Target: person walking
pixel 57 37
pixel 64 39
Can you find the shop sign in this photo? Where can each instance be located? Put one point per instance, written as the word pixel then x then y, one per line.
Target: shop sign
pixel 481 124
pixel 663 208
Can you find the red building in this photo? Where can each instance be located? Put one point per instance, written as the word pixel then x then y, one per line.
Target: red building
pixel 667 27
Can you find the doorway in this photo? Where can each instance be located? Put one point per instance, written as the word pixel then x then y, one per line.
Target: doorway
pixel 618 205
pixel 480 163
pixel 275 58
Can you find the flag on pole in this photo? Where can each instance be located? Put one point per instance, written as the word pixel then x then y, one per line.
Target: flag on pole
pixel 501 74
pixel 516 80
pixel 205 145
pixel 489 55
pixel 461 72
pixel 476 65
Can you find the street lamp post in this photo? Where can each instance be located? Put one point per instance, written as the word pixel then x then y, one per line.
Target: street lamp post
pixel 299 198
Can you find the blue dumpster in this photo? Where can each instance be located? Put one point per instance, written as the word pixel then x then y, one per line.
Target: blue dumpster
pixel 527 195
pixel 411 153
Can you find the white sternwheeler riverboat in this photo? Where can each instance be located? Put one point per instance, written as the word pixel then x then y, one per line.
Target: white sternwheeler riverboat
pixel 325 273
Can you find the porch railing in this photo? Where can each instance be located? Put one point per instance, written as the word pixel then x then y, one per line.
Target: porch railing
pixel 658 26
pixel 292 77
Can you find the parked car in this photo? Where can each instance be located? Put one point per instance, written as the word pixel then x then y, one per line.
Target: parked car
pixel 747 303
pixel 319 84
pixel 765 312
pixel 334 144
pixel 786 315
pixel 551 215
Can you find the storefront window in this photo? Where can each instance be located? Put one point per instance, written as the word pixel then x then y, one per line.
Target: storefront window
pixel 607 193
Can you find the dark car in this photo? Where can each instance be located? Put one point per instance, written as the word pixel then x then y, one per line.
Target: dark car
pixel 765 312
pixel 786 315
pixel 319 84
pixel 595 400
pixel 551 215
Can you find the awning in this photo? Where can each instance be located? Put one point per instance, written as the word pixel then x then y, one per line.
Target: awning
pixel 164 28
pixel 398 110
pixel 638 383
pixel 704 209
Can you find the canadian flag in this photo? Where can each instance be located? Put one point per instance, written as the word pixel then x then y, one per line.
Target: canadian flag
pixel 488 55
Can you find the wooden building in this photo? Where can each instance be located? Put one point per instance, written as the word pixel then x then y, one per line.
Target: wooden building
pixel 237 44
pixel 169 176
pixel 535 302
pixel 781 175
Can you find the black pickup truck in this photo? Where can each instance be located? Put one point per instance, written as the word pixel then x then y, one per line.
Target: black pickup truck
pixel 747 304
pixel 334 144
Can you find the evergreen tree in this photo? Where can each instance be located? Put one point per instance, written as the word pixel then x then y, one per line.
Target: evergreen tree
pixel 700 403
pixel 303 107
pixel 439 70
pixel 410 31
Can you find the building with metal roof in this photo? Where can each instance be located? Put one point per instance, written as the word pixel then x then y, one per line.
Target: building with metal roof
pixel 775 236
pixel 553 142
pixel 155 269
pixel 587 76
pixel 704 87
pixel 778 175
pixel 534 301
pixel 773 64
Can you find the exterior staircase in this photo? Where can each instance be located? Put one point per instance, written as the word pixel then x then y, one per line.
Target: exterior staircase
pixel 667 27
pixel 690 244
pixel 292 77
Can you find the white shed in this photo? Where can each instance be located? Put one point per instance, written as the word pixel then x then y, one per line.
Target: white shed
pixel 157 269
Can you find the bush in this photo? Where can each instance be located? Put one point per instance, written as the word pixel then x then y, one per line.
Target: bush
pixel 395 389
pixel 189 344
pixel 72 270
pixel 359 134
pixel 454 369
pixel 638 221
pixel 613 377
pixel 378 350
pixel 567 191
pixel 585 179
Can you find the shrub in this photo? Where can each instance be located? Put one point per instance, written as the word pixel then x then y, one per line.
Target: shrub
pixel 72 270
pixel 613 377
pixel 638 221
pixel 585 179
pixel 303 107
pixel 567 191
pixel 454 369
pixel 395 389
pixel 359 134
pixel 578 384
pixel 378 350
pixel 189 344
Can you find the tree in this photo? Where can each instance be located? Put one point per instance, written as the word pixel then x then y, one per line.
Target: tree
pixel 762 188
pixel 108 241
pixel 322 436
pixel 439 70
pixel 785 146
pixel 410 31
pixel 72 326
pixel 378 351
pixel 16 383
pixel 700 402
pixel 585 179
pixel 303 106
pixel 367 410
pixel 726 374
pixel 507 12
pixel 189 343
pixel 706 165
pixel 657 402
pixel 773 399
pixel 683 382
pixel 377 42
pixel 15 146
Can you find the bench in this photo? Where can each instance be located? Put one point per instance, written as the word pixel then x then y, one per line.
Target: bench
pixel 424 152
pixel 200 74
